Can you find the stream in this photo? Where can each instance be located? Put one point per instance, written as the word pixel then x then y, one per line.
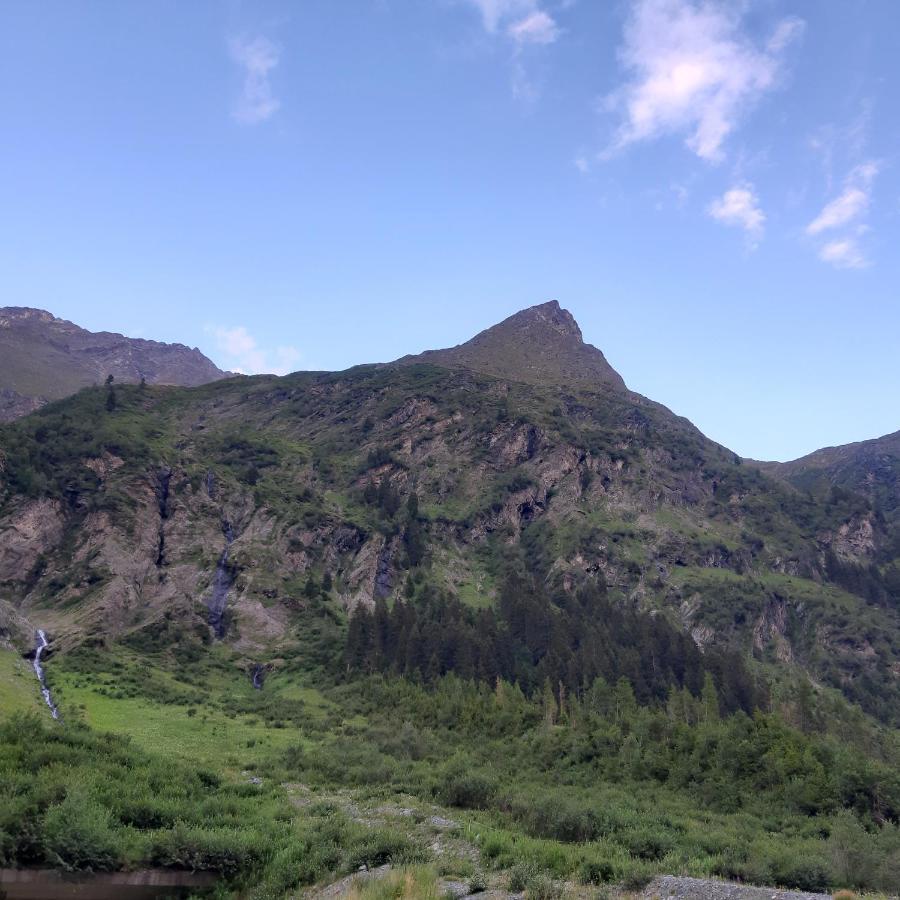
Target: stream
pixel 257 675
pixel 222 581
pixel 42 644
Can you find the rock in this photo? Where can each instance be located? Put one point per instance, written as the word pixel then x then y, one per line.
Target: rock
pixel 341 888
pixel 672 887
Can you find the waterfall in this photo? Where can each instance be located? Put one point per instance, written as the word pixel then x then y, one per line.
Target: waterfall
pixel 41 646
pixel 222 581
pixel 257 675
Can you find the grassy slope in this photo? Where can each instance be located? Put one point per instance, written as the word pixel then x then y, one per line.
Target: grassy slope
pixel 19 691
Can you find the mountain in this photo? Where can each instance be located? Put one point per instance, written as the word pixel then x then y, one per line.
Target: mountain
pixel 330 610
pixel 525 453
pixel 539 345
pixel 44 358
pixel 869 468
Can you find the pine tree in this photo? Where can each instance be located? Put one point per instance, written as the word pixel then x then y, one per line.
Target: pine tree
pixel 548 702
pixel 709 700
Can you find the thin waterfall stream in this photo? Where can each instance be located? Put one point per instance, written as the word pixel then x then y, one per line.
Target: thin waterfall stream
pixel 41 646
pixel 222 582
pixel 258 675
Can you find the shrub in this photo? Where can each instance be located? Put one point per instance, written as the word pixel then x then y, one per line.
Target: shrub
pixel 222 850
pixel 469 790
pixel 520 875
pixel 543 887
pixel 78 834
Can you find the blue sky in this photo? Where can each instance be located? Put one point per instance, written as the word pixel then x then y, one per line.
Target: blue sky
pixel 711 188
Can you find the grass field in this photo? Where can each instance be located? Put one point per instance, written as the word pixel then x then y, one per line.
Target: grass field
pixel 208 729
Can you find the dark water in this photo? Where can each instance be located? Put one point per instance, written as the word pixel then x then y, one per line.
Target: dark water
pixel 50 884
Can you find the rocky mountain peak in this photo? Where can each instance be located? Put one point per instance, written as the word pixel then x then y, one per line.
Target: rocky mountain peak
pixel 549 315
pixel 538 345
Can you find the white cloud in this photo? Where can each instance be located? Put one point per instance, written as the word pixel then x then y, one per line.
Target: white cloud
pixel 840 211
pixel 850 204
pixel 257 58
pixel 244 355
pixel 692 70
pixel 843 254
pixel 523 21
pixel 536 28
pixel 739 206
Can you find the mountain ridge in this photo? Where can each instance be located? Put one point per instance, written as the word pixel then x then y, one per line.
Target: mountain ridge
pixel 44 358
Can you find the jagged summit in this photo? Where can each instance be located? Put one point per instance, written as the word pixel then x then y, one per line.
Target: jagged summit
pixel 538 345
pixel 549 315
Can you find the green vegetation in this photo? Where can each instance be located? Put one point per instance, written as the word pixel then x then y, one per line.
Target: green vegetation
pixel 591 787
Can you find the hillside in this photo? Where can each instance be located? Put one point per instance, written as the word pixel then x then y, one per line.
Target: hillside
pixel 44 358
pixel 870 468
pixel 489 578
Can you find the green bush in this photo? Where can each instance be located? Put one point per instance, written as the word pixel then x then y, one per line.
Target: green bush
pixel 224 850
pixel 468 790
pixel 78 834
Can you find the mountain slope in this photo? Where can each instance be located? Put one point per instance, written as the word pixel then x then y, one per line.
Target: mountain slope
pixel 45 358
pixel 870 468
pixel 242 508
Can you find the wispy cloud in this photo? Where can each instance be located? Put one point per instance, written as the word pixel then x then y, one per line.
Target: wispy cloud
pixel 257 58
pixel 693 70
pixel 847 211
pixel 850 204
pixel 536 28
pixel 844 254
pixel 523 24
pixel 739 207
pixel 243 353
pixel 495 14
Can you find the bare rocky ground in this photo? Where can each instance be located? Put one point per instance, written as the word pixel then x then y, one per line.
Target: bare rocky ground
pixel 673 887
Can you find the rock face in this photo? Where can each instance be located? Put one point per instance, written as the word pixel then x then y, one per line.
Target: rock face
pixel 44 358
pixel 539 345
